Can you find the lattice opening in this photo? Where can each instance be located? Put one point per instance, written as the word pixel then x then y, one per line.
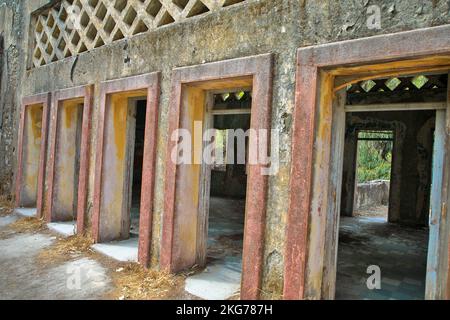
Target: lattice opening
pixel 101 12
pixel 91 33
pixel 420 81
pixel 76 38
pixel 84 21
pixel 166 19
pixel 71 27
pixel 130 16
pixel 181 3
pixel 110 25
pixel 231 2
pixel 120 5
pixel 140 28
pixel 62 44
pixel 153 8
pixel 99 43
pixel 418 88
pixel 119 35
pixel 197 9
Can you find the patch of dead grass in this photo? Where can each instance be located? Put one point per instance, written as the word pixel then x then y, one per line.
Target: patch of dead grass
pixel 65 249
pixel 6 205
pixel 133 282
pixel 28 225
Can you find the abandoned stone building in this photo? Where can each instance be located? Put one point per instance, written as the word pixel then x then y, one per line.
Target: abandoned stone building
pixel 91 92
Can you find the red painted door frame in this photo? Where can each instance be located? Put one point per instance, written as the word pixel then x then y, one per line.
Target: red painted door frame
pixel 151 83
pixel 85 92
pixel 260 69
pixel 44 100
pixel 311 61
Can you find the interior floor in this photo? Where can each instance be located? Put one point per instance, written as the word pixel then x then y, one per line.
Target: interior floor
pixel 66 229
pixel 26 212
pixel 221 280
pixel 135 214
pixel 373 212
pixel 399 251
pixel 124 251
pixel 138 159
pixel 226 229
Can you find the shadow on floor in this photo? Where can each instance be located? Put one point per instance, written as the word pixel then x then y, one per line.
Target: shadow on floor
pixel 399 251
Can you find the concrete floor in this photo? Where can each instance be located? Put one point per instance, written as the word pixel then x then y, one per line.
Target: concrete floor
pixel 26 212
pixel 400 252
pixel 66 229
pixel 23 277
pixel 124 251
pixel 221 279
pixel 134 228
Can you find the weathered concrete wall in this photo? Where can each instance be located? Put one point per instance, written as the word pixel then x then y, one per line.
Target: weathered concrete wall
pixel 373 193
pixel 14 22
pixel 254 27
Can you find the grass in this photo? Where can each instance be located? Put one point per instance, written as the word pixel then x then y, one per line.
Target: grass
pixel 133 282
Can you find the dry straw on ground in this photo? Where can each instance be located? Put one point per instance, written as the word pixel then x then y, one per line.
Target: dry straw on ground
pixel 28 225
pixel 65 249
pixel 6 205
pixel 133 282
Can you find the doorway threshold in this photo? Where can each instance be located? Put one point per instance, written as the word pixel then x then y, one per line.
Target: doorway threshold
pixel 26 212
pixel 219 281
pixel 123 251
pixel 66 229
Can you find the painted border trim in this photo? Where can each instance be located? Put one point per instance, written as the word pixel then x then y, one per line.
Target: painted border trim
pixel 151 82
pixel 44 99
pixel 310 62
pixel 85 92
pixel 260 68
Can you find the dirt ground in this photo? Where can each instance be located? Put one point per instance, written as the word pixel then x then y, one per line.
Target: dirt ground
pixel 36 264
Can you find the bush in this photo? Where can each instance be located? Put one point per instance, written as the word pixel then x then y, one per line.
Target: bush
pixel 374 157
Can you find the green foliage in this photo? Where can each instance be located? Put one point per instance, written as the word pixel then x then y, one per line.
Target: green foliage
pixel 374 157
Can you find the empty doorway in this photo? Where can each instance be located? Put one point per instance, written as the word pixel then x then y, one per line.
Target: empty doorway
pixel 63 198
pixel 386 256
pixel 373 173
pixel 125 167
pixel 67 175
pixel 185 225
pixel 225 190
pixel 32 140
pixel 32 146
pixel 122 174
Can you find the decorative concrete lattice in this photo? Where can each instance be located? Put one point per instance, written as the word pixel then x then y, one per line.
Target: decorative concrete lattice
pixel 71 27
pixel 421 88
pixel 414 83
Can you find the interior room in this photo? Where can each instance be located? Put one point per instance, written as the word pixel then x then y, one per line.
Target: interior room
pixel 387 189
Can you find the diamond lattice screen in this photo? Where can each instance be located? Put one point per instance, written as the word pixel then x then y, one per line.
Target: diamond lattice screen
pixel 71 27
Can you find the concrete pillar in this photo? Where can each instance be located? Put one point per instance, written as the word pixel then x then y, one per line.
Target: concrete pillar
pixel 349 172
